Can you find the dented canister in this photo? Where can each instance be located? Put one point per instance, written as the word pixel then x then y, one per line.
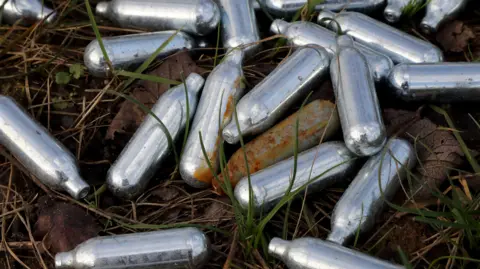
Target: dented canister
pixel 130 51
pixel 439 82
pixel 358 106
pixel 393 11
pixel 313 253
pixel 440 12
pixel 148 148
pixel 301 33
pixel 41 154
pixel 396 44
pixel 198 17
pixel 224 86
pixel 291 81
pixel 239 26
pixel 28 10
pixel 317 121
pixel 288 8
pixel 377 182
pixel 318 167
pixel 164 249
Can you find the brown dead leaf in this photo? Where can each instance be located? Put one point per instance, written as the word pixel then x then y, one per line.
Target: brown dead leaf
pixel 218 211
pixel 438 151
pixel 166 193
pixel 63 226
pixel 148 92
pixel 455 36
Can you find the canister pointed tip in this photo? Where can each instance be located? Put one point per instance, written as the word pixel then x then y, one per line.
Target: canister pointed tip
pixel 338 236
pixel 77 187
pixel 392 15
pixel 429 25
pixel 64 260
pixel 324 16
pixel 194 82
pixel 102 8
pixel 230 133
pixel 278 247
pixel 279 26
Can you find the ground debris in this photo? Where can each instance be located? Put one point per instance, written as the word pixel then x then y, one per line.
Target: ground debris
pixel 148 92
pixel 437 149
pixel 166 193
pixel 63 226
pixel 455 36
pixel 219 210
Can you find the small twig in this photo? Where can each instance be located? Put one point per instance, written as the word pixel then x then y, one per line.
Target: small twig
pixel 233 248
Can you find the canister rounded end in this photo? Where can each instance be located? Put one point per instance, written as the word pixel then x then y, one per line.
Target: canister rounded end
pixel 194 173
pixel 279 26
pixel 365 139
pixel 94 60
pixel 64 260
pixel 242 194
pixel 278 247
pixel 201 249
pixel 101 8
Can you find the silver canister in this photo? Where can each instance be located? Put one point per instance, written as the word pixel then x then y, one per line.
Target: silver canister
pixel 398 45
pixel 358 107
pixel 291 81
pixel 319 167
pixel 393 11
pixel 28 10
pixel 239 26
pixel 377 182
pixel 129 51
pixel 313 253
pixel 440 82
pixel 223 88
pixel 41 154
pixel 167 249
pixel 148 148
pixel 301 33
pixel 287 8
pixel 440 12
pixel 198 17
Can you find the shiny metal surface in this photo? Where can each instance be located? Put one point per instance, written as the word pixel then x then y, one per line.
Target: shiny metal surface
pixel 239 26
pixel 148 148
pixel 166 249
pixel 199 17
pixel 440 12
pixel 317 121
pixel 364 199
pixel 331 162
pixel 291 81
pixel 358 107
pixel 313 253
pixel 440 82
pixel 129 51
pixel 41 154
pixel 301 33
pixel 287 8
pixel 398 45
pixel 222 89
pixel 29 10
pixel 393 11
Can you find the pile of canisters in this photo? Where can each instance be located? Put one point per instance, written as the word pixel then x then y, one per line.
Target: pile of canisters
pixel 360 54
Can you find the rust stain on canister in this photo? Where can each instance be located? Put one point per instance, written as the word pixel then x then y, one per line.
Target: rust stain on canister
pixel 204 173
pixel 277 143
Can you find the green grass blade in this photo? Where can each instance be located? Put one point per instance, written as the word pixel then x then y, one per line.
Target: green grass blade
pixel 97 34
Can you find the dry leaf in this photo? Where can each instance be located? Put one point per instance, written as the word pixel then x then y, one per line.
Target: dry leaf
pixel 455 36
pixel 166 193
pixel 218 211
pixel 438 151
pixel 63 226
pixel 148 92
